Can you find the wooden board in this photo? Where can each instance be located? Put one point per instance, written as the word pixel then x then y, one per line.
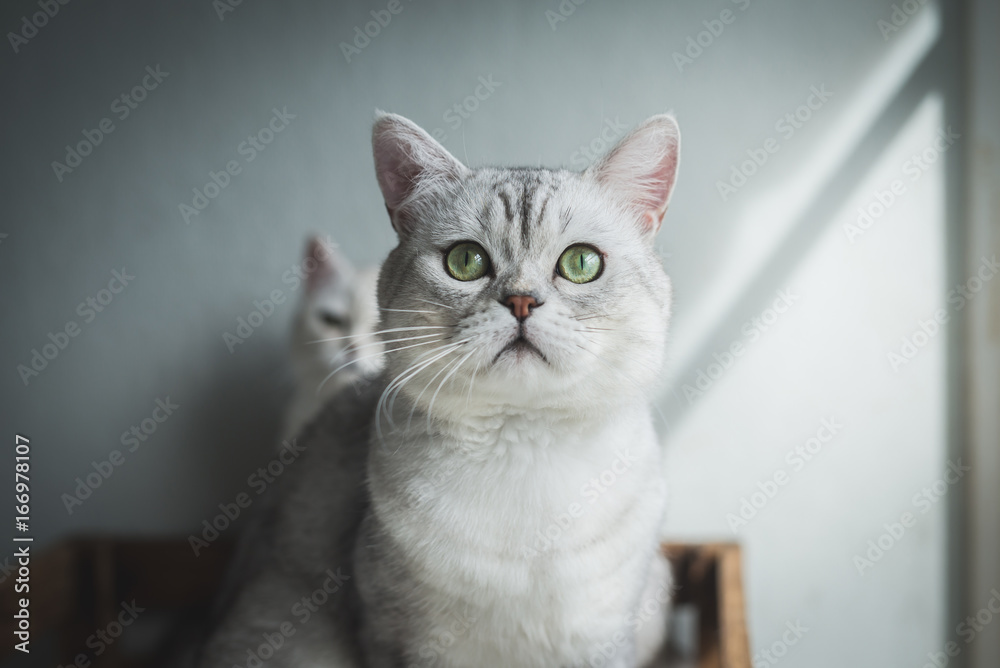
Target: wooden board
pixel 709 576
pixel 77 587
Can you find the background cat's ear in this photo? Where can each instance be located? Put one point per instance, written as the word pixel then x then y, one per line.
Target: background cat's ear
pixel 407 161
pixel 642 168
pixel 322 264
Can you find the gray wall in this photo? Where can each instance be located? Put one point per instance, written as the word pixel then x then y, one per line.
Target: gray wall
pixel 559 85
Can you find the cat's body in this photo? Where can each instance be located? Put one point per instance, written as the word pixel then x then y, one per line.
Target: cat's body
pixel 294 601
pixel 495 499
pixel 520 571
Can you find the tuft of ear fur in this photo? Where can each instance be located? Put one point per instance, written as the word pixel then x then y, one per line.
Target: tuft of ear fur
pixel 321 263
pixel 408 161
pixel 642 168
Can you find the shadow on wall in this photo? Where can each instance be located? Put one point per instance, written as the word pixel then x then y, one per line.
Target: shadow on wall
pixel 241 405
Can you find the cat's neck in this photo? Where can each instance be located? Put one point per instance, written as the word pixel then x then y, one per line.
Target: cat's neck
pixel 481 428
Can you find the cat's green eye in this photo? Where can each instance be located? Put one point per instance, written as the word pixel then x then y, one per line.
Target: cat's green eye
pixel 467 261
pixel 580 264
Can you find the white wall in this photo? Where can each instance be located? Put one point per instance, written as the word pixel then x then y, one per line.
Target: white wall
pixel 558 89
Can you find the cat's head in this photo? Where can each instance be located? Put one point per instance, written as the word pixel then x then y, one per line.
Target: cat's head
pixel 335 319
pixel 525 288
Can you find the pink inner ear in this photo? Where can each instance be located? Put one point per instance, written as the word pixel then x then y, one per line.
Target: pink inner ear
pixel 642 169
pixel 402 155
pixel 661 188
pixel 651 219
pixel 320 258
pixel 405 158
pixel 395 174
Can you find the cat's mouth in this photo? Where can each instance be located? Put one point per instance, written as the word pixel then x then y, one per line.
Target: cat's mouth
pixel 520 347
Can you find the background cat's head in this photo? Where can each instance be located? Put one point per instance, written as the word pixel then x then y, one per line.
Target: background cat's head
pixel 529 288
pixel 335 319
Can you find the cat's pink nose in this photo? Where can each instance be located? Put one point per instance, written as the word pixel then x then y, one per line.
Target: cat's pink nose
pixel 521 305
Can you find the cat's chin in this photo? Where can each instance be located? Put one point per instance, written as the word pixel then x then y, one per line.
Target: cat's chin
pixel 522 375
pixel 518 352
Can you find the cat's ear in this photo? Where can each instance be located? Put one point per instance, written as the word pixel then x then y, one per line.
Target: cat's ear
pixel 322 263
pixel 408 161
pixel 642 168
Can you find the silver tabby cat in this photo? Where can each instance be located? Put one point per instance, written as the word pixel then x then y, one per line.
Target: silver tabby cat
pixel 494 499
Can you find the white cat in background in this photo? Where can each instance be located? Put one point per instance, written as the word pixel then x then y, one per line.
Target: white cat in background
pixel 333 327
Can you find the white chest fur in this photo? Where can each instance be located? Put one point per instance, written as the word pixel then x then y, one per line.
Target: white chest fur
pixel 524 531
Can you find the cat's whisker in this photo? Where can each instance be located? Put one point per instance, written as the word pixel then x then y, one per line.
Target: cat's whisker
pixel 366 357
pixel 392 400
pixel 354 347
pixel 427 301
pixel 387 402
pixel 430 407
pixel 618 329
pixel 448 341
pixel 404 310
pixel 472 379
pixel 409 420
pixel 384 331
pixel 399 380
pixel 388 388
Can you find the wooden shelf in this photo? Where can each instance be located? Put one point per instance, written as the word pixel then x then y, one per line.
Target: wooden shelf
pixel 78 586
